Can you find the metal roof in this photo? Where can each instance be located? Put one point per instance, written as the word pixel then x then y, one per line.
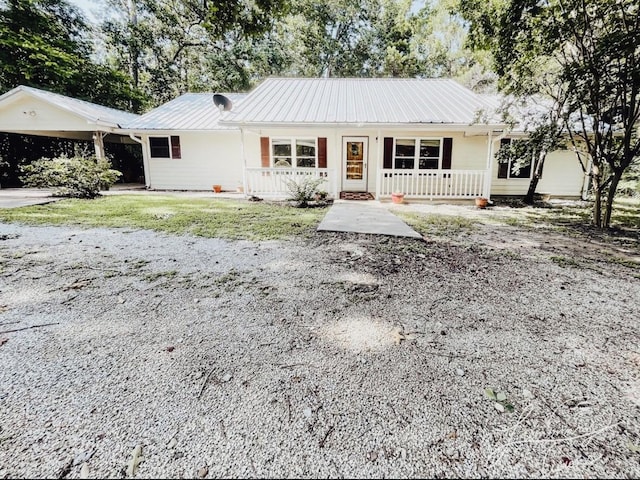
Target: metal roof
pixel 191 111
pixel 361 101
pixel 90 111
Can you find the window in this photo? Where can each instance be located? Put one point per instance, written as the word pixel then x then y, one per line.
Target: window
pixel 159 147
pixel 510 167
pixel 294 152
pixel 164 147
pixel 420 153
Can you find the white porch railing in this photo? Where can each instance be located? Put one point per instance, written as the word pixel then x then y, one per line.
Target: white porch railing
pixel 272 182
pixel 433 183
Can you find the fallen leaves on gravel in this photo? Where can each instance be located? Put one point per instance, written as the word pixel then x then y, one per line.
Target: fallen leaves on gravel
pixel 76 285
pixel 136 458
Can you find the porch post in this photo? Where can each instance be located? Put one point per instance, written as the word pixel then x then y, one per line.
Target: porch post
pixel 489 168
pixel 245 183
pixel 98 145
pixel 378 165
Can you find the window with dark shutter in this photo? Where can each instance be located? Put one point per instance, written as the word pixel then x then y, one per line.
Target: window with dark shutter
pixel 447 148
pixel 159 147
pixel 175 147
pixel 322 152
pixel 388 153
pixel 264 152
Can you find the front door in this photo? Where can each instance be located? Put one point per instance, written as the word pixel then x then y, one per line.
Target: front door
pixel 354 163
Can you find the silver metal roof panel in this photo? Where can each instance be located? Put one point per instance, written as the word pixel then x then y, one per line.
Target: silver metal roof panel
pixel 191 111
pixel 359 101
pixel 90 111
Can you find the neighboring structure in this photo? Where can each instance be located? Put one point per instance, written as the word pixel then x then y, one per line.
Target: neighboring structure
pixel 30 111
pixel 185 147
pixel 425 138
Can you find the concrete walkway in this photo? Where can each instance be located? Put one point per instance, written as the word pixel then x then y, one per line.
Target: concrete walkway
pixel 24 197
pixel 365 217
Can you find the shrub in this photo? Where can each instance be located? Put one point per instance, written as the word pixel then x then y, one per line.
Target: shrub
pixel 76 177
pixel 304 191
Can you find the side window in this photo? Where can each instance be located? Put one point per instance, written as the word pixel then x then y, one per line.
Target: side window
pixel 282 154
pixel 294 153
pixel 510 168
pixel 159 147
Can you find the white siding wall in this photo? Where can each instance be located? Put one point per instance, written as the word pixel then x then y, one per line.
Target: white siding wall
pixel 207 159
pixel 45 117
pixel 468 152
pixel 561 176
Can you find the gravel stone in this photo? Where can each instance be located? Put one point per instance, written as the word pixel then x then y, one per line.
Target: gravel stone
pixel 307 328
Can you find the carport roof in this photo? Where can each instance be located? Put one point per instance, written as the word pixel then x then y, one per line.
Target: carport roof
pixel 92 112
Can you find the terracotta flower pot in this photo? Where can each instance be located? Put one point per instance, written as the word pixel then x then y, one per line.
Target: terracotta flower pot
pixel 481 202
pixel 397 197
pixel 217 188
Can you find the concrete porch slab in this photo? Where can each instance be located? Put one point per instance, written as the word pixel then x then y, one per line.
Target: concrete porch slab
pixel 365 217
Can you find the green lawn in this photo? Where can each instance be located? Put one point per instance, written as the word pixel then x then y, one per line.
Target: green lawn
pixel 625 215
pixel 223 218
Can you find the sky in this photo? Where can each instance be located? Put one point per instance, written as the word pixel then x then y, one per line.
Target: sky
pixel 88 7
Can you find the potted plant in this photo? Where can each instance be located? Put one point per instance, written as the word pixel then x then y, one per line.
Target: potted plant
pixel 397 197
pixel 481 202
pixel 217 188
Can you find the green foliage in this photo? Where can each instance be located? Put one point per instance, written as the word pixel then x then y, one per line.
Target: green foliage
pixel 305 190
pixel 583 54
pixel 75 177
pixel 500 398
pixel 46 44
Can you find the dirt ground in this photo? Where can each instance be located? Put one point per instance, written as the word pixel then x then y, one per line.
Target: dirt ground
pixel 338 355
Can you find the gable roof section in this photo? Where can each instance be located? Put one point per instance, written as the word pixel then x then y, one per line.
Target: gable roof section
pixel 191 111
pixel 361 101
pixel 91 112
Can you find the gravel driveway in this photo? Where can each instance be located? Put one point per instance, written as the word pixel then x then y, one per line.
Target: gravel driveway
pixel 340 355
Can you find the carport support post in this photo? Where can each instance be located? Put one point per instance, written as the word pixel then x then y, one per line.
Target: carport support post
pixel 98 144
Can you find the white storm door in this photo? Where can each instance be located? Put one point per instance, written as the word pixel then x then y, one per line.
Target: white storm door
pixel 355 151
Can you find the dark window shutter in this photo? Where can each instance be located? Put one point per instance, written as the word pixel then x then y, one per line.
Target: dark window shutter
pixel 503 168
pixel 447 145
pixel 322 152
pixel 264 152
pixel 175 147
pixel 388 153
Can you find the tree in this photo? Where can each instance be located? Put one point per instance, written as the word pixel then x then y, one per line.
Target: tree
pixel 170 47
pixel 588 49
pixel 45 43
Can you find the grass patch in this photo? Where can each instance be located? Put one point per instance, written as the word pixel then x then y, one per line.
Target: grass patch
pixel 565 262
pixel 438 225
pixel 221 218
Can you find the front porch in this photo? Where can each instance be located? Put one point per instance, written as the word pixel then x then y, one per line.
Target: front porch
pixel 426 185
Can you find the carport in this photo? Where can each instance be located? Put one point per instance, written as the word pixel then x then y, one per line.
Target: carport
pixel 31 111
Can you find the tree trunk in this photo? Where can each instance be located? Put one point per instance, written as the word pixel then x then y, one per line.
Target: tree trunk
pixel 611 194
pixel 597 202
pixel 537 174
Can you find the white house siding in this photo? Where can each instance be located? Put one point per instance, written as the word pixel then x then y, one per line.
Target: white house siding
pixel 562 176
pixel 208 158
pixel 33 115
pixel 468 152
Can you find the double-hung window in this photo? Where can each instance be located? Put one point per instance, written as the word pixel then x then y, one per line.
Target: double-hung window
pixel 294 152
pixel 509 169
pixel 417 153
pixel 164 147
